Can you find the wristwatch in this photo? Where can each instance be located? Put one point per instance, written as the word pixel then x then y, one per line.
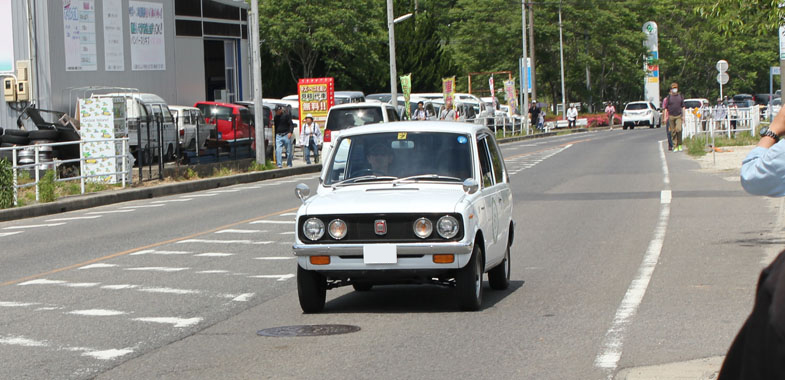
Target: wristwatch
pixel 765 131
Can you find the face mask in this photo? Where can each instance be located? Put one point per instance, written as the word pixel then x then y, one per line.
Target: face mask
pixel 675 91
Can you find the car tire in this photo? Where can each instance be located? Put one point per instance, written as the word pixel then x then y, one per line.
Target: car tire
pixel 632 127
pixel 44 134
pixel 499 276
pixel 469 282
pixel 624 127
pixel 311 290
pixel 14 139
pixel 15 132
pixel 169 156
pixel 362 286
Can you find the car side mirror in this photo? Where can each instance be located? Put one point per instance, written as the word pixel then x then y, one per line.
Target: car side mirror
pixel 302 191
pixel 470 186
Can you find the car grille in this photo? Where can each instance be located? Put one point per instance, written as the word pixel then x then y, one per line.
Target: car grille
pixel 360 228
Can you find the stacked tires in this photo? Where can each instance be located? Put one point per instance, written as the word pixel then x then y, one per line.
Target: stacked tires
pixel 26 156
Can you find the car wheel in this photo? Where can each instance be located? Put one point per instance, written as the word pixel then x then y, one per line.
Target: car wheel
pixel 191 145
pixel 624 127
pixel 362 286
pixel 632 127
pixel 169 153
pixel 311 290
pixel 14 139
pixel 469 282
pixel 16 132
pixel 499 277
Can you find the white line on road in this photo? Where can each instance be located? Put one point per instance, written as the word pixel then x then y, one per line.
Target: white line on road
pixel 214 254
pixel 230 231
pixel 21 341
pixel 16 304
pixel 203 195
pixel 120 287
pixel 169 291
pixel 157 269
pixel 287 233
pixel 10 233
pixel 108 354
pixel 275 258
pixel 109 212
pixel 665 197
pixel 142 206
pixel 74 218
pixel 33 226
pixel 97 312
pixel 243 297
pixel 177 322
pixel 224 191
pixel 98 265
pixel 174 200
pixel 666 177
pixel 273 222
pixel 279 277
pixel 250 242
pixel 42 281
pixel 213 271
pixel 154 252
pixel 289 214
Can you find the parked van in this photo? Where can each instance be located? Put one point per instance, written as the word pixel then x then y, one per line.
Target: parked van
pixel 351 115
pixel 146 116
pixel 343 97
pixel 192 131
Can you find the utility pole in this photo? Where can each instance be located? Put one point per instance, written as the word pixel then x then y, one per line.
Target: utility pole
pixel 393 70
pixel 531 50
pixel 561 58
pixel 588 73
pixel 524 70
pixel 253 20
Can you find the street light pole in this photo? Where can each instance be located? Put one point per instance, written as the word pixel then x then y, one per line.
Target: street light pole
pixel 393 70
pixel 253 20
pixel 561 57
pixel 524 71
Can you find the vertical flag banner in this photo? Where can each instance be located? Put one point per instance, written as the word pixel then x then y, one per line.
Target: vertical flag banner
pixel 406 86
pixel 509 92
pixel 316 96
pixel 448 89
pixel 493 93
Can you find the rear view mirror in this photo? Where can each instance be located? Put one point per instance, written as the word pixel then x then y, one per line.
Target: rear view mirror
pixel 302 191
pixel 470 186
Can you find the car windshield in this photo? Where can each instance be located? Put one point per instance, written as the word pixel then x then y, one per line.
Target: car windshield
pixel 637 106
pixel 403 156
pixel 212 111
pixel 692 104
pixel 353 117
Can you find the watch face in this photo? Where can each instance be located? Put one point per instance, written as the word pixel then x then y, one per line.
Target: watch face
pixel 763 131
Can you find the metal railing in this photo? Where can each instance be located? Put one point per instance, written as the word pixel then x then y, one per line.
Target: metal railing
pixel 703 123
pixel 38 165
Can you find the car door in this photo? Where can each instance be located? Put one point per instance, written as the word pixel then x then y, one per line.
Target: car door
pixel 502 195
pixel 489 208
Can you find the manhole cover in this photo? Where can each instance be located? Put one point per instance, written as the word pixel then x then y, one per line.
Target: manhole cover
pixel 308 330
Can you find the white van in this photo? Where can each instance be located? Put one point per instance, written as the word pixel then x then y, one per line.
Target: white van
pixel 350 115
pixel 189 120
pixel 144 113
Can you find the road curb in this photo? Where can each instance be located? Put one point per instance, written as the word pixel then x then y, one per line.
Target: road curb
pixel 506 140
pixel 80 202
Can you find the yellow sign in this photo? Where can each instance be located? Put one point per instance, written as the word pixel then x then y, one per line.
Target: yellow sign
pixel 401 135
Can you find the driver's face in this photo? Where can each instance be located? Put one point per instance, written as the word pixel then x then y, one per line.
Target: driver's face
pixel 379 160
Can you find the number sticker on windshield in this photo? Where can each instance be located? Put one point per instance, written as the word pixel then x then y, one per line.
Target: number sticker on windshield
pixel 462 140
pixel 401 135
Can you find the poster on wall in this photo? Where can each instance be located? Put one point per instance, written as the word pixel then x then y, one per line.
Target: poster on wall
pixel 114 58
pixel 316 95
pixel 147 36
pixel 97 125
pixel 79 34
pixel 6 37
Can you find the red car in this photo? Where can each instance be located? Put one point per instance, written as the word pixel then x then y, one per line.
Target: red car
pixel 222 114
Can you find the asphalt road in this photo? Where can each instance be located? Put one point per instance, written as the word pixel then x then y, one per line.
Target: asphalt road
pixel 621 260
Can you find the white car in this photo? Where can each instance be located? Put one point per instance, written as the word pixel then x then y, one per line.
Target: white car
pixel 188 119
pixel 424 202
pixel 350 115
pixel 640 113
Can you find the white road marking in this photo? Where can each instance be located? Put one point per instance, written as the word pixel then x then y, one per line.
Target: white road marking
pixel 142 206
pixel 287 233
pixel 157 269
pixel 665 197
pixel 214 254
pixel 33 226
pixel 243 297
pixel 16 304
pixel 173 200
pixel 213 271
pixel 250 242
pixel 279 277
pixel 120 287
pixel 230 231
pixel 224 191
pixel 81 284
pixel 74 218
pixel 21 341
pixel 273 222
pixel 108 354
pixel 97 312
pixel 289 214
pixel 608 358
pixel 48 308
pixel 170 291
pixel 98 265
pixel 109 212
pixel 10 233
pixel 203 195
pixel 665 174
pixel 177 322
pixel 275 258
pixel 42 281
pixel 154 252
pixel 96 354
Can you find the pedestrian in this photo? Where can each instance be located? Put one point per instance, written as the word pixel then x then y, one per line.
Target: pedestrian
pixel 572 115
pixel 674 109
pixel 541 120
pixel 534 113
pixel 610 110
pixel 310 139
pixel 719 113
pixel 447 112
pixel 283 136
pixel 665 120
pixel 758 351
pixel 733 115
pixel 419 113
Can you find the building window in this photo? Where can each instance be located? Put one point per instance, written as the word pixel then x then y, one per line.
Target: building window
pixel 188 28
pixel 220 29
pixel 213 9
pixel 188 8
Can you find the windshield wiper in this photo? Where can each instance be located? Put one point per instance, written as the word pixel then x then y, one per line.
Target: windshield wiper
pixel 427 176
pixel 365 178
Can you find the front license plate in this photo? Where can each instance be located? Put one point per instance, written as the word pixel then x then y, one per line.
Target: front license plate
pixel 380 254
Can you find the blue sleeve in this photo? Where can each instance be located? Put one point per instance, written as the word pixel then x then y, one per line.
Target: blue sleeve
pixel 763 171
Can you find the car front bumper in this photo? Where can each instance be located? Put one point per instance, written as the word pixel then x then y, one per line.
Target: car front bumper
pixel 410 256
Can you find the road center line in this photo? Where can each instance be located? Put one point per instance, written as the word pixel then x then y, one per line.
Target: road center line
pixel 608 358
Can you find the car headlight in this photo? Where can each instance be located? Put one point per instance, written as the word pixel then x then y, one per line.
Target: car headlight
pixel 313 229
pixel 423 228
pixel 337 229
pixel 447 227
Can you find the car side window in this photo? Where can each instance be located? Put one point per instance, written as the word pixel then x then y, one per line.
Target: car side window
pixel 485 162
pixel 392 115
pixel 167 115
pixel 496 160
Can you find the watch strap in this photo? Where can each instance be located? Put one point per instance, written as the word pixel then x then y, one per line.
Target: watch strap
pixel 773 135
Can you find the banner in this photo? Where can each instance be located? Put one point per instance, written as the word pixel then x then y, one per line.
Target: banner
pixel 316 96
pixel 79 34
pixel 148 48
pixel 114 57
pixel 406 86
pixel 493 93
pixel 448 90
pixel 96 117
pixel 6 37
pixel 509 92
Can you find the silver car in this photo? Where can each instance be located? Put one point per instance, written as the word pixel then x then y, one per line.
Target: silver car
pixel 407 202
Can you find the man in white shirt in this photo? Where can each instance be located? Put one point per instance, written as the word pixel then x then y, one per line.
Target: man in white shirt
pixel 572 115
pixel 310 139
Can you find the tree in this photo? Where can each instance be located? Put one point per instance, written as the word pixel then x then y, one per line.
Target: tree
pixel 745 16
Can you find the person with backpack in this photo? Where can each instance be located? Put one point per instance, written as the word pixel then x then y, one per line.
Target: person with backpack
pixel 674 114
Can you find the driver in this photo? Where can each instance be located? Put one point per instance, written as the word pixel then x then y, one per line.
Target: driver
pixel 380 156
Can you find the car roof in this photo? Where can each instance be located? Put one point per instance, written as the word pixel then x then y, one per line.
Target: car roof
pixel 230 105
pixel 639 102
pixel 183 108
pixel 349 93
pixel 417 126
pixel 371 104
pixel 143 96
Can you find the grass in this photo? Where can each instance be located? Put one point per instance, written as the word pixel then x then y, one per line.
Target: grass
pixel 699 146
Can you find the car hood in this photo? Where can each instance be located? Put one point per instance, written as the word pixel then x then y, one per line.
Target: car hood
pixel 386 199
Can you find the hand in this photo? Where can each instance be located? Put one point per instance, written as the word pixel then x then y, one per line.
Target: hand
pixel 289 136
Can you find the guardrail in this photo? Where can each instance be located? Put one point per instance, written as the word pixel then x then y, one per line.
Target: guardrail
pixel 38 165
pixel 505 124
pixel 701 122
